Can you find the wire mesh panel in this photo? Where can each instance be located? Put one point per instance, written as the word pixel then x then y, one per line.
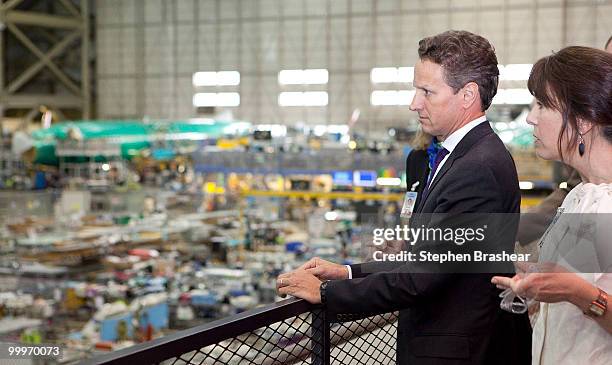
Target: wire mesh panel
pixel 288 332
pixel 285 342
pixel 367 341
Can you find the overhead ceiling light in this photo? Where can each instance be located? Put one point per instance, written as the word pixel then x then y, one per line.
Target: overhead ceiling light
pixel 381 75
pixel 212 78
pixel 392 97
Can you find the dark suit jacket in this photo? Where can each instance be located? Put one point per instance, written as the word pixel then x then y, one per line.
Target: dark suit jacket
pixel 447 318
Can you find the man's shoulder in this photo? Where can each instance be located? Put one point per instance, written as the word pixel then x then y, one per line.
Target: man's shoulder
pixel 488 156
pixel 488 150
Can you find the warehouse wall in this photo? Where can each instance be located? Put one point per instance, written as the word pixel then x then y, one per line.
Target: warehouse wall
pixel 148 50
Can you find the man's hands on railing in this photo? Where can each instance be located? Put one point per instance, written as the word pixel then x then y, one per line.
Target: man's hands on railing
pixel 305 282
pixel 325 270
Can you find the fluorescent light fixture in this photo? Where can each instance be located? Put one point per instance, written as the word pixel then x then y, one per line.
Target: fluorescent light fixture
pixel 405 74
pixel 205 79
pixel 388 181
pixel 515 71
pixel 228 78
pixel 392 97
pixel 212 78
pixel 315 76
pixel 216 99
pixel 381 75
pixel 513 97
pixel 288 77
pixel 303 77
pixel 306 98
pixel 383 97
pixel 526 185
pixel 404 97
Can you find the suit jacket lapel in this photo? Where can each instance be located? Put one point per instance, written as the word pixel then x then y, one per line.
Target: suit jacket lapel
pixel 447 165
pixel 461 149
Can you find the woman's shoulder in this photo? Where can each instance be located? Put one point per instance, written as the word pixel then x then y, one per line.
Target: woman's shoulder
pixel 589 198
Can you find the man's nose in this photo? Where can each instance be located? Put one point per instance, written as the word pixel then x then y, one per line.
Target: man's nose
pixel 415 105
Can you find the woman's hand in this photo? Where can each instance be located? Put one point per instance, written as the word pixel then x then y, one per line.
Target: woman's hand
pixel 548 283
pixel 550 287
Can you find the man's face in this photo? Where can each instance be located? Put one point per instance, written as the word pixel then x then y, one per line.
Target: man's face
pixel 438 106
pixel 609 48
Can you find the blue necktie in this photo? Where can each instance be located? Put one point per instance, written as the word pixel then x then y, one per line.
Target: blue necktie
pixel 432 151
pixel 439 157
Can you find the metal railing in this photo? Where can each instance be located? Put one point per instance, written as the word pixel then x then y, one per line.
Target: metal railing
pixel 288 332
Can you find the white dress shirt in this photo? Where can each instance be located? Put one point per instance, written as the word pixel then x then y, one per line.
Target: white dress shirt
pixel 451 142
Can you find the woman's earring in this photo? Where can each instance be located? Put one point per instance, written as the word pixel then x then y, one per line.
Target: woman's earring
pixel 580 145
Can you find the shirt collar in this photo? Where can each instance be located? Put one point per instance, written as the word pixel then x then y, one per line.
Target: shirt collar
pixel 453 140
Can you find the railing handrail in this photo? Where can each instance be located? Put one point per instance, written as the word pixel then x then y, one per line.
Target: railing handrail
pixel 191 339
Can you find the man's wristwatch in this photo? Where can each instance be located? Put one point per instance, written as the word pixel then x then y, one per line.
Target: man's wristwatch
pixel 599 306
pixel 322 289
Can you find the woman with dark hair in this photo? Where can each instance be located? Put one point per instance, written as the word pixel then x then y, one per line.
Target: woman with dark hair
pixel 572 120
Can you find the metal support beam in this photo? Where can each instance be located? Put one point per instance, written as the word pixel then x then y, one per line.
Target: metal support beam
pixel 85 75
pixel 48 57
pixel 1 60
pixel 60 75
pixel 40 19
pixel 10 5
pixel 11 19
pixel 71 8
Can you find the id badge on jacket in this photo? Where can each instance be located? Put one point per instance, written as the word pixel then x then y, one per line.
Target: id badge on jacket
pixel 409 202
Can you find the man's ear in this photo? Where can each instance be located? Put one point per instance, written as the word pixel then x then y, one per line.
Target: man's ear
pixel 470 94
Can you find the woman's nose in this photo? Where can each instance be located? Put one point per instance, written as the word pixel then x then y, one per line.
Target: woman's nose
pixel 531 118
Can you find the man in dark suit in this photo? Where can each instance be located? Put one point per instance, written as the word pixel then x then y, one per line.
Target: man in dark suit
pixel 446 317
